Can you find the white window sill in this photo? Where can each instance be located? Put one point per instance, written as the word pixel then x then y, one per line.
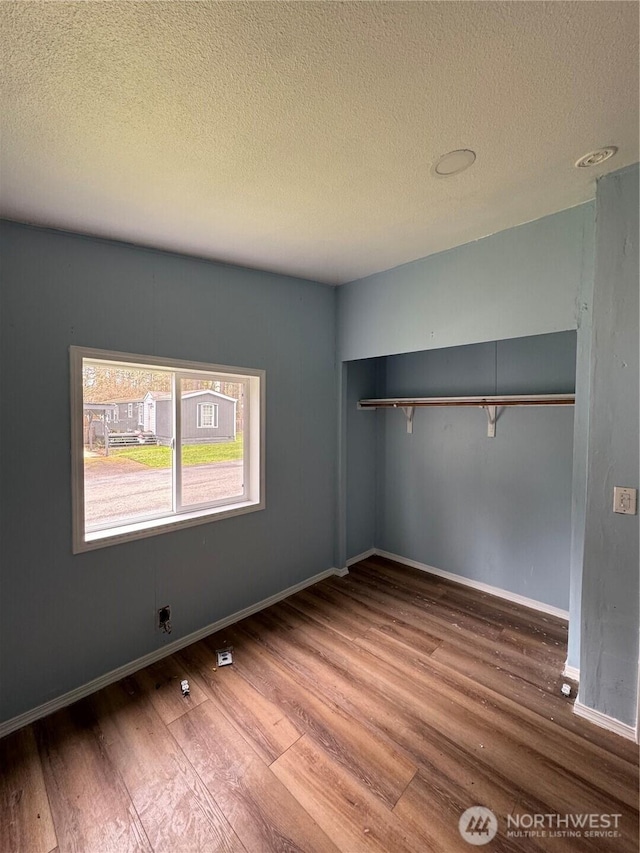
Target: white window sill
pixel 156 526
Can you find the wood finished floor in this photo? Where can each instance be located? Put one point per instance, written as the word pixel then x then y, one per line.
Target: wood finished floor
pixel 363 714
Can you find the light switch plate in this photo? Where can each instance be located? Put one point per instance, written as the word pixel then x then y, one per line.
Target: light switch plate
pixel 625 500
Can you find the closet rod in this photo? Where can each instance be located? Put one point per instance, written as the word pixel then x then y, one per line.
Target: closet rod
pixel 506 400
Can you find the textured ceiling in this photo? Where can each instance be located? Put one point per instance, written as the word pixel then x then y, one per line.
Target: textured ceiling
pixel 300 137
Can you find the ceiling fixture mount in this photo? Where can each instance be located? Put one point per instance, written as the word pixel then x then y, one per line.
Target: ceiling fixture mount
pixel 454 162
pixel 594 158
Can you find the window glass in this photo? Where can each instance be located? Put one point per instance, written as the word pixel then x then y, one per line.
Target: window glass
pixel 189 444
pixel 211 440
pixel 127 471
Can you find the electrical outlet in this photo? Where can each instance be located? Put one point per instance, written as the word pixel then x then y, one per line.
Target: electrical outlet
pixel 624 500
pixel 224 656
pixel 164 619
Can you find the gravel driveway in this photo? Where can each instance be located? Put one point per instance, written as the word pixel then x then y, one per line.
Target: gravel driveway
pixel 117 489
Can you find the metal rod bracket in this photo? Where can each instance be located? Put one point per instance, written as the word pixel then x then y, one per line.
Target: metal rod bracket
pixel 409 412
pixel 491 420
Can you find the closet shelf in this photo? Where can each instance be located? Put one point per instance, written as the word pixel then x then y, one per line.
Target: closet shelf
pixel 490 403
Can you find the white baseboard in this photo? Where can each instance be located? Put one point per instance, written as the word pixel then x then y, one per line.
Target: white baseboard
pixel 482 587
pixel 571 672
pixel 364 556
pixel 604 721
pixel 90 687
pixel 341 572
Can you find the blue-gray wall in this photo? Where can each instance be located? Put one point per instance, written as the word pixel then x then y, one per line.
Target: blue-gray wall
pixel 520 282
pixel 580 447
pixel 609 649
pixel 361 459
pixel 495 510
pixel 68 619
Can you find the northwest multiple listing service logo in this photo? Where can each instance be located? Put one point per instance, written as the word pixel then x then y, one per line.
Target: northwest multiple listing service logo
pixel 479 825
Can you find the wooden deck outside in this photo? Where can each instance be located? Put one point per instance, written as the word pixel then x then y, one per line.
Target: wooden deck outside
pixel 366 713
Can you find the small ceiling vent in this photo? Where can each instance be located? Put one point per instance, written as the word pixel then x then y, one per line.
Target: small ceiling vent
pixel 454 162
pixel 596 157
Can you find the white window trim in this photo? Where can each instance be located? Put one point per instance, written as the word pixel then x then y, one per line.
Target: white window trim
pixel 214 415
pixel 129 410
pixel 254 455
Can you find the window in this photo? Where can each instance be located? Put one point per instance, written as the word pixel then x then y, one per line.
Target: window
pixel 130 485
pixel 207 416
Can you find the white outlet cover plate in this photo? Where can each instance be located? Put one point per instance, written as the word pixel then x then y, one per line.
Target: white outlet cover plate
pixel 625 500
